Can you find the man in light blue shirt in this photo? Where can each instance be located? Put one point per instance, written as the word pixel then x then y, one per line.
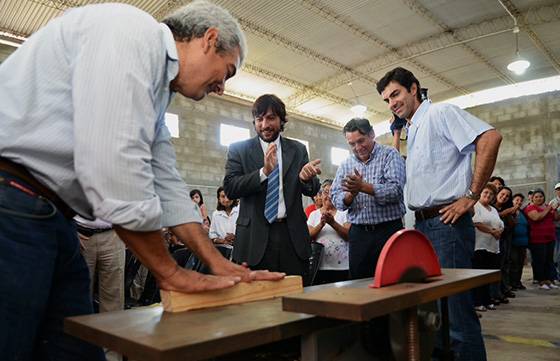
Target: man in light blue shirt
pixel 82 106
pixel 442 188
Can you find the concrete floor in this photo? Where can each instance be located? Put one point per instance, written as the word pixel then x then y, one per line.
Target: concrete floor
pixel 526 329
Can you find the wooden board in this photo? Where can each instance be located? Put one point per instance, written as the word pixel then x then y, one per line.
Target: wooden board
pixel 240 293
pixel 354 301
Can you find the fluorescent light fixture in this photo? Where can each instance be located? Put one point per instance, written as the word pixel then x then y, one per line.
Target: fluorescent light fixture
pixel 172 123
pixel 231 134
pixel 359 109
pixel 519 66
pixel 338 155
pixel 10 43
pixel 500 93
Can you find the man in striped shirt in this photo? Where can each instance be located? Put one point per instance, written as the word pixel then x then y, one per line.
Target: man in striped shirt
pixel 369 184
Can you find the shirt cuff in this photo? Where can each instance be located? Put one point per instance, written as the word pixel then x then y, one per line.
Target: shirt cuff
pixel 262 175
pixel 179 212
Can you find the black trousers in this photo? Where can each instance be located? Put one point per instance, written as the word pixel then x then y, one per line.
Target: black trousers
pixel 541 260
pixel 365 245
pixel 280 254
pixel 483 259
pixel 330 276
pixel 517 256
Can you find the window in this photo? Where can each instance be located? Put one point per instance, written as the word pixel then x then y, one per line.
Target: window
pixel 172 123
pixel 338 155
pixel 304 142
pixel 231 134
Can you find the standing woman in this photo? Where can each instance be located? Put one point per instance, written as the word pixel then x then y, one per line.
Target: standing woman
pixel 542 238
pixel 488 229
pixel 222 230
pixel 196 197
pixel 329 227
pixel 504 205
pixel 519 243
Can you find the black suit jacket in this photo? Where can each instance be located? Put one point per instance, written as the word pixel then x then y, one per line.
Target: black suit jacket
pixel 242 181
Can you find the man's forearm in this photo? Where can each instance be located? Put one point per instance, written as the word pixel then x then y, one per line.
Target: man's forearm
pixel 198 242
pixel 487 146
pixel 150 249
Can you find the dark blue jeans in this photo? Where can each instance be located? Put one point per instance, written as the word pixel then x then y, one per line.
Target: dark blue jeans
pixel 43 279
pixel 454 245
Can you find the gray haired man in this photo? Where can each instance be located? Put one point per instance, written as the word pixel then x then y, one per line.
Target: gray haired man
pixel 82 130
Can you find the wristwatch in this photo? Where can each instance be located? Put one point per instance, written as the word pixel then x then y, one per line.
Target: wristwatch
pixel 471 195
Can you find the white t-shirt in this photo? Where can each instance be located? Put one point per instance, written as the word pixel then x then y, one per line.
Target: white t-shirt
pixel 335 255
pixel 222 223
pixel 490 218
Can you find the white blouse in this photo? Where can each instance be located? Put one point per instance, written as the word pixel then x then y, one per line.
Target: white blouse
pixel 222 223
pixel 335 256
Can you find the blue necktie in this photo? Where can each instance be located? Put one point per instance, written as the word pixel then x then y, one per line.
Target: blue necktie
pixel 272 193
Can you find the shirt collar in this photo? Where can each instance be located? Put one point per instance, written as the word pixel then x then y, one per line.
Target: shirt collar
pixel 171 49
pixel 418 115
pixel 264 145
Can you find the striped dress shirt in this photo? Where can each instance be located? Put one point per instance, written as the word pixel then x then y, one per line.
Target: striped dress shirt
pixel 385 170
pixel 82 106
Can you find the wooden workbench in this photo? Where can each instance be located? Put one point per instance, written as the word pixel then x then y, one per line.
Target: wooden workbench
pixel 148 333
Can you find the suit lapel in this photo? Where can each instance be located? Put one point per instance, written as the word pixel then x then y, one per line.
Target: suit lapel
pixel 288 155
pixel 256 153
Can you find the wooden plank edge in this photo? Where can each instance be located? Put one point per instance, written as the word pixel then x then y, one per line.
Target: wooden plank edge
pixel 242 292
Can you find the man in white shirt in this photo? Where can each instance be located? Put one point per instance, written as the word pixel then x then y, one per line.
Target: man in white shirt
pixel 82 106
pixel 442 187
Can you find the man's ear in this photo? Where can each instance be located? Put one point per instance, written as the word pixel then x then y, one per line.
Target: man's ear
pixel 414 89
pixel 210 39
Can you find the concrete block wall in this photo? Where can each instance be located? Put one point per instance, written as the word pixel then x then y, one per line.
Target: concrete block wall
pixel 529 154
pixel 201 158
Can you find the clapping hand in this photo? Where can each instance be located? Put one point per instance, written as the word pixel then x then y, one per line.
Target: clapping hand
pixel 310 170
pixel 352 183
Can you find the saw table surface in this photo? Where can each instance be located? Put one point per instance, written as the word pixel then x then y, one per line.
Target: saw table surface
pixel 148 333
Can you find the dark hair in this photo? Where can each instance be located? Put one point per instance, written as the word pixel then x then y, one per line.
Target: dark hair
pixel 518 195
pixel 196 191
pixel 492 188
pixel 509 202
pixel 538 190
pixel 358 124
pixel 403 77
pixel 531 192
pixel 272 102
pixel 220 207
pixel 500 179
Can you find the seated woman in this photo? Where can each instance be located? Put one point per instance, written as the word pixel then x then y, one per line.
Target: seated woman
pixel 222 229
pixel 488 229
pixel 542 237
pixel 196 197
pixel 329 227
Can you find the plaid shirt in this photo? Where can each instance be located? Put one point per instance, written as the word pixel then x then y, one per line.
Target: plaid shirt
pixel 385 170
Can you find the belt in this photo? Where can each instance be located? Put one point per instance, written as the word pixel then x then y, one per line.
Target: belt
pixel 88 232
pixel 19 171
pixel 373 227
pixel 429 213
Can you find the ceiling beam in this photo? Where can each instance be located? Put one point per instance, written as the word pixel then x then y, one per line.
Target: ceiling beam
pixel 333 17
pixel 523 24
pixel 426 14
pixel 270 75
pixel 534 16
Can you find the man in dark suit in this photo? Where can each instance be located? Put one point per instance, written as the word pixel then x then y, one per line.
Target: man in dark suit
pixel 269 174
